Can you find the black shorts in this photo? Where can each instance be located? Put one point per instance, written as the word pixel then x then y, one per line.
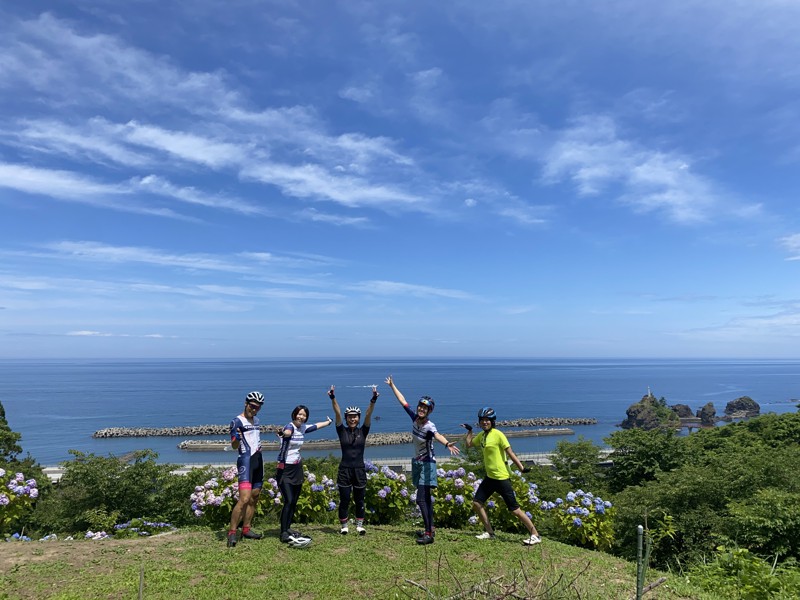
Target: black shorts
pixel 502 486
pixel 352 476
pixel 290 475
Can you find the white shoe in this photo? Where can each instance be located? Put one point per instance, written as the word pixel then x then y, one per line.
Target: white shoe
pixel 298 542
pixel 534 539
pixel 344 530
pixel 485 536
pixel 360 530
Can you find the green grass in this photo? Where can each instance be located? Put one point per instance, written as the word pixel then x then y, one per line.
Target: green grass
pixel 386 563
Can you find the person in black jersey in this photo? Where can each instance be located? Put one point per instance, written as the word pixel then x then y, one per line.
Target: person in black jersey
pixel 352 477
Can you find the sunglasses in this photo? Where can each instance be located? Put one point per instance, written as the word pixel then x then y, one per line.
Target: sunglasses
pixel 255 407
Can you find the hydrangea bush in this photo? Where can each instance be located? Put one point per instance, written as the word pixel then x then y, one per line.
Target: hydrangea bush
pixel 387 497
pixel 214 500
pixel 317 499
pixel 453 497
pixel 17 497
pixel 584 519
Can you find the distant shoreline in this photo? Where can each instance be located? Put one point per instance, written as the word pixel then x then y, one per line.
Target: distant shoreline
pixel 203 430
pixel 374 439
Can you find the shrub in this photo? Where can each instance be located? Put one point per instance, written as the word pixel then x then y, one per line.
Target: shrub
pixel 739 574
pixel 768 523
pixel 584 519
pixel 453 497
pixel 93 486
pixel 317 499
pixel 17 496
pixel 387 497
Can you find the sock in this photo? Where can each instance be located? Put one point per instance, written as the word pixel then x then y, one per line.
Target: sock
pixel 230 531
pixel 245 530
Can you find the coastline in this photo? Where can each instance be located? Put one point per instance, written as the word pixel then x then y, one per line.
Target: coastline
pixel 200 430
pixel 377 439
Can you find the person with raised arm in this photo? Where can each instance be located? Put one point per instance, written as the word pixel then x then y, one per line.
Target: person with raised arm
pixel 290 471
pixel 496 450
pixel 352 476
pixel 423 464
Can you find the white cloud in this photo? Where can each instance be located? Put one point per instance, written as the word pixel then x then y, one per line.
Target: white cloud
pixel 312 214
pixel 791 243
pixel 394 288
pixel 597 160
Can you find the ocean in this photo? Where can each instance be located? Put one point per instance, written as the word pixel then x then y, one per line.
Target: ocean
pixel 57 404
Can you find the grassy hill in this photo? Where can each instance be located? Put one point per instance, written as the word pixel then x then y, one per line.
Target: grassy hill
pixel 386 563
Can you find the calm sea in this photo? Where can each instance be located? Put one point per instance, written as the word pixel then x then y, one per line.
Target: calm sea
pixel 56 405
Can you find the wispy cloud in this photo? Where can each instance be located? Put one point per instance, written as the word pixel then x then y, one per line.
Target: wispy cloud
pixel 791 243
pixel 394 288
pixel 595 158
pixel 89 333
pixel 313 214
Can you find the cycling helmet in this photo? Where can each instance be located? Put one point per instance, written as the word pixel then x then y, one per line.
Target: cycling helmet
pixel 487 412
pixel 255 398
pixel 427 401
pixel 352 410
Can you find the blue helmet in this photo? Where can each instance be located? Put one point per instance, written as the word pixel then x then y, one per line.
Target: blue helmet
pixel 487 412
pixel 427 401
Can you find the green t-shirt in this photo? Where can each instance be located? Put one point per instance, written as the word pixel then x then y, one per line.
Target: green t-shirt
pixel 494 446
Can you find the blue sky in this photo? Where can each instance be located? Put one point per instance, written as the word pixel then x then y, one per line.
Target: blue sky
pixel 316 179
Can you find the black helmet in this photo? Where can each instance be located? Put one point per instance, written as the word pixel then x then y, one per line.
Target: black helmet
pixel 255 398
pixel 427 401
pixel 487 412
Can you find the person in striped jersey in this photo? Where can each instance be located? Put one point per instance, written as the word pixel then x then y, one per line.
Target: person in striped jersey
pixel 423 465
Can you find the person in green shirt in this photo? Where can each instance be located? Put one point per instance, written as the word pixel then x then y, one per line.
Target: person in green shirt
pixel 496 450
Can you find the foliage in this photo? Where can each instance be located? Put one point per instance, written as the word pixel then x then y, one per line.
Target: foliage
pixel 213 500
pixel 95 488
pixel 586 519
pixel 317 499
pixel 768 523
pixel 9 440
pixel 715 496
pixel 453 497
pixel 17 496
pixel 639 455
pixel 577 463
pixel 387 497
pixel 738 573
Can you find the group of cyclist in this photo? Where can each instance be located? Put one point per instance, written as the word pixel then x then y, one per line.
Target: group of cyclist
pixel 352 477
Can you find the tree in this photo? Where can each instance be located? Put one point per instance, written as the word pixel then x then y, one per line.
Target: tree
pixel 577 462
pixel 640 455
pixel 9 440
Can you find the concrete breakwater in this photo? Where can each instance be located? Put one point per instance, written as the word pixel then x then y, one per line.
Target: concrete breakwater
pixel 201 430
pixel 374 439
